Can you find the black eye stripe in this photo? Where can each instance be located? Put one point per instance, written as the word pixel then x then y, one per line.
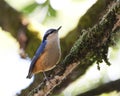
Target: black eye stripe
pixel 50 31
pixel 45 37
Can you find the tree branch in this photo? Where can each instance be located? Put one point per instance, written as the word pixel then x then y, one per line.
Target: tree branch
pixel 14 22
pixel 92 46
pixel 105 88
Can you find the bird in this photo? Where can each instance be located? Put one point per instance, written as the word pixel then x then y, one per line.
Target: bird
pixel 47 55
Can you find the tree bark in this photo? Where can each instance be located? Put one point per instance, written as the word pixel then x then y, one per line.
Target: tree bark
pixel 105 88
pixel 13 22
pixel 92 46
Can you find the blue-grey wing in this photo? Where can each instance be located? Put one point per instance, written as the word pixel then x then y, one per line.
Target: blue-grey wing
pixel 37 54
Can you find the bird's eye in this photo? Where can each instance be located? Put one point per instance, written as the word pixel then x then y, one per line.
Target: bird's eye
pixel 50 32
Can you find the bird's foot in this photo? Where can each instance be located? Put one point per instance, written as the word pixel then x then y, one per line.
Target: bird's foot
pixel 46 78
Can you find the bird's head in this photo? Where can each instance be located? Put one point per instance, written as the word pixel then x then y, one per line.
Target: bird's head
pixel 51 33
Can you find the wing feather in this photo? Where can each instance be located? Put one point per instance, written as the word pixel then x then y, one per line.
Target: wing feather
pixel 37 54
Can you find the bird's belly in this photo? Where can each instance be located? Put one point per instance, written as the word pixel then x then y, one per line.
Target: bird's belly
pixel 47 61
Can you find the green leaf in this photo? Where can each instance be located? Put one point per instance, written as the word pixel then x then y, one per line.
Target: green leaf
pixel 30 8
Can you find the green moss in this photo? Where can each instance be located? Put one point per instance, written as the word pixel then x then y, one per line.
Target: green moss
pixel 89 19
pixel 93 14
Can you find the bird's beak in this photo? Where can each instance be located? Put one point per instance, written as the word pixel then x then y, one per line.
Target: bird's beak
pixel 59 28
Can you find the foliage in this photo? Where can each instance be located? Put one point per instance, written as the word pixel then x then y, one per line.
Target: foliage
pixel 32 7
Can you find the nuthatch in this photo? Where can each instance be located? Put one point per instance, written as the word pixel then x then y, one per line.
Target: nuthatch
pixel 47 55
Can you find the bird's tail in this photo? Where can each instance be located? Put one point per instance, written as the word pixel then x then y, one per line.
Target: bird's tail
pixel 29 75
